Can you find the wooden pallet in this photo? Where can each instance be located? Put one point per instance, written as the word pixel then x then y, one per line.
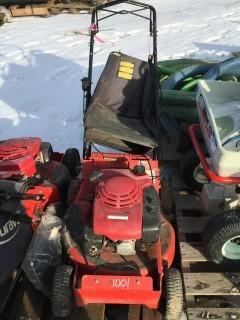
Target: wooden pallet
pixel 209 289
pixel 29 10
pixel 52 7
pixel 73 8
pixel 120 312
pixel 57 6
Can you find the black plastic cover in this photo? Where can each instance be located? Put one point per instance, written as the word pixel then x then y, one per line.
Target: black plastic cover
pixel 151 215
pixel 15 236
pixel 44 254
pixel 122 110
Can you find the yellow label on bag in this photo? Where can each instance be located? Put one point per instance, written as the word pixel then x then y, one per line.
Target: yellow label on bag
pixel 127 64
pixel 126 70
pixel 125 76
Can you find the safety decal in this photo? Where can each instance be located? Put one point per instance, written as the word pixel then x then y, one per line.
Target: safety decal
pixel 126 70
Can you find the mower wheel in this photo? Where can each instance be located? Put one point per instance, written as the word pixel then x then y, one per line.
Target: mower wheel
pixel 72 161
pixel 174 294
pixel 62 295
pixel 191 171
pixel 221 236
pixel 46 152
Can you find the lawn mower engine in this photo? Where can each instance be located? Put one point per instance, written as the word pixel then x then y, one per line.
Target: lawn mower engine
pixel 123 216
pixel 31 184
pixel 126 213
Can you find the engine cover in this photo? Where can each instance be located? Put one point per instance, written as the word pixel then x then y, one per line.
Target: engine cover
pixel 118 208
pixel 17 157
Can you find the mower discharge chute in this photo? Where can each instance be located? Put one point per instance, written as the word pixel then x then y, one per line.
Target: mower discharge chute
pixel 119 244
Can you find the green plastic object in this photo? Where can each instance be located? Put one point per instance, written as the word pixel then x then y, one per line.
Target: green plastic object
pixel 179 64
pixel 190 85
pixel 179 104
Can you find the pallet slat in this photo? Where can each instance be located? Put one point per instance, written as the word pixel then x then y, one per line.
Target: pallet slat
pixel 191 224
pixel 90 312
pixel 187 202
pixel 213 313
pixel 192 252
pixel 71 7
pixel 212 284
pixel 29 11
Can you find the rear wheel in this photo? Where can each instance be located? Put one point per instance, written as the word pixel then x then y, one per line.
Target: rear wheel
pixel 173 294
pixel 72 161
pixel 62 295
pixel 222 238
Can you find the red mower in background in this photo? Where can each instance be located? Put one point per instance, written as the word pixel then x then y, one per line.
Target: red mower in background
pixel 119 246
pixel 33 183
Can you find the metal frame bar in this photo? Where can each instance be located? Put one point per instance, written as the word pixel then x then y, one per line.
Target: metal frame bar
pixel 95 20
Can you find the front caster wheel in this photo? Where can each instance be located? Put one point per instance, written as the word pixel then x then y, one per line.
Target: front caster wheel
pixel 173 294
pixel 62 295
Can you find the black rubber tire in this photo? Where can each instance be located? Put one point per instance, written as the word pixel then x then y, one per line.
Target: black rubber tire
pixel 188 164
pixel 74 222
pixel 218 230
pixel 173 294
pixel 47 151
pixel 73 189
pixel 61 178
pixel 72 161
pixel 62 292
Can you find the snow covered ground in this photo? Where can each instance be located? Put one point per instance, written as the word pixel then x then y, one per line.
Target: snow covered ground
pixel 43 59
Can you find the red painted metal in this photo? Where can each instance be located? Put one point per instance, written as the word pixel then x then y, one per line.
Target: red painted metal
pixel 167 244
pixel 17 157
pixel 117 289
pixel 118 202
pixel 208 171
pixel 117 182
pixel 33 208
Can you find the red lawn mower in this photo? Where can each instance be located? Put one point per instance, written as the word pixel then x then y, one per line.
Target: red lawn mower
pixel 119 246
pixel 33 183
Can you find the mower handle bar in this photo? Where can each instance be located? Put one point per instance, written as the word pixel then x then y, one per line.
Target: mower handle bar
pixel 200 153
pixel 114 2
pixel 153 27
pixel 94 23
